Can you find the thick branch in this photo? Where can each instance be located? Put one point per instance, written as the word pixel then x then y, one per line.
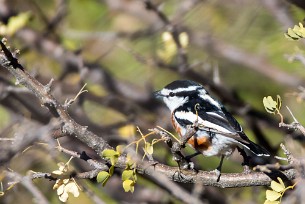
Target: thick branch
pixel 227 180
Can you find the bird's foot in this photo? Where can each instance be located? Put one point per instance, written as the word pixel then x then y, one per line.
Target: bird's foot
pixel 186 165
pixel 247 169
pixel 218 173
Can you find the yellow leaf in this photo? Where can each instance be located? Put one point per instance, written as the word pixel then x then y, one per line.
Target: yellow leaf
pixel 269 104
pixel 167 37
pixel 127 174
pixel 64 197
pixel 149 149
pixel 272 195
pixel 184 39
pixel 277 186
pixel 127 131
pixel 169 47
pixel 281 181
pixel 128 185
pixel 71 187
pixel 292 34
pixel 60 189
pixel 15 23
pixel 288 37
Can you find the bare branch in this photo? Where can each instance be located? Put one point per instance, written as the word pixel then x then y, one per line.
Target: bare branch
pixel 294 125
pixel 26 181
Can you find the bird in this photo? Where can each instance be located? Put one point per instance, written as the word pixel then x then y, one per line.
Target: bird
pixel 218 133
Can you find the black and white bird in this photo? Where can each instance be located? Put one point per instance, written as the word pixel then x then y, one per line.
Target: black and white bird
pixel 218 132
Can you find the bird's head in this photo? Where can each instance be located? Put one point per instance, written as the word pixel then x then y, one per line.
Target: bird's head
pixel 180 92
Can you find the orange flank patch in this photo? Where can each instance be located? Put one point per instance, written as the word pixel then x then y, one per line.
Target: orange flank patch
pixel 200 143
pixel 175 125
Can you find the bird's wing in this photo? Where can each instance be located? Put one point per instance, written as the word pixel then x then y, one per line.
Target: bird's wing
pixel 220 121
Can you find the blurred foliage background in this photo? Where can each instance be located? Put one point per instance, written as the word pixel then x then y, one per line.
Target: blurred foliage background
pixel 236 48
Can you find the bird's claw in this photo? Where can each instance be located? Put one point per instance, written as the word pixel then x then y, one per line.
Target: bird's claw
pixel 247 169
pixel 218 173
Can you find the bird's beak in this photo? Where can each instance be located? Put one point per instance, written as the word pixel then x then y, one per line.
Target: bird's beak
pixel 158 95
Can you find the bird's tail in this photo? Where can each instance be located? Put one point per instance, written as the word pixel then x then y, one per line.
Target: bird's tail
pixel 256 149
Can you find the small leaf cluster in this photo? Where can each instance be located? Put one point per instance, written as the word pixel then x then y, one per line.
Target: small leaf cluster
pixel 65 184
pixel 275 195
pixel 113 156
pixel 129 176
pixel 295 33
pixel 169 46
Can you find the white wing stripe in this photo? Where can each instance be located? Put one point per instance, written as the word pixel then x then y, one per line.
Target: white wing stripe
pixel 192 117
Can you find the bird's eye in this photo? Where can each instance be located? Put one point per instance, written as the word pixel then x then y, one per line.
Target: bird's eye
pixel 171 94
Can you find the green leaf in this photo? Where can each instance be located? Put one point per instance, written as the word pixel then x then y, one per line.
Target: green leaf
pixel 269 104
pixel 111 170
pixel 112 155
pixel 127 174
pixel 277 186
pixel 108 153
pixel 103 177
pixel 128 185
pixel 114 159
pixel 272 195
pixel 149 149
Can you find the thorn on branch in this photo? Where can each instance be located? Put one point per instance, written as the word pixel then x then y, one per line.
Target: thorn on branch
pixel 70 101
pixel 9 56
pixel 47 87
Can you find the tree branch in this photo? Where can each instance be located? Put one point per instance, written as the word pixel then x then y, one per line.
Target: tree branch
pixel 70 127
